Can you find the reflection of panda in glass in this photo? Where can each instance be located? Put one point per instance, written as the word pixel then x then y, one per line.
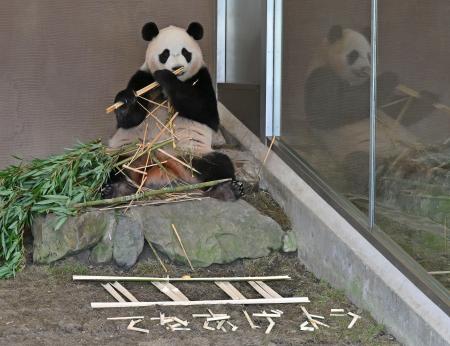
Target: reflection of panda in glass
pixel 337 90
pixel 192 95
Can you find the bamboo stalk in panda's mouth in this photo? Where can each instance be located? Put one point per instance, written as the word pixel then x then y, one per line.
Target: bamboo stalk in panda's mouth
pixel 141 92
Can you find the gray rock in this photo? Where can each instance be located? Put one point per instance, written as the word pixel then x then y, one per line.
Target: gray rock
pixel 211 231
pixel 103 252
pixel 77 234
pixel 289 241
pixel 128 239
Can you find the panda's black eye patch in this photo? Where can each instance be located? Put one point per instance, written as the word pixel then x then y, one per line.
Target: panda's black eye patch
pixel 187 55
pixel 352 57
pixel 164 56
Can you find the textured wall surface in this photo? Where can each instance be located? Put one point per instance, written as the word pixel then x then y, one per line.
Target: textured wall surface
pixel 63 61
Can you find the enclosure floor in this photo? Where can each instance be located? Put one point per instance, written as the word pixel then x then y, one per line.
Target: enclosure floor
pixel 43 306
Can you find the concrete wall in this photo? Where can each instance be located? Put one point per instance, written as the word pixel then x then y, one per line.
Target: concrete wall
pixel 63 61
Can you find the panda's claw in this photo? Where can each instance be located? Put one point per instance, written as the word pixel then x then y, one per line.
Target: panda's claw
pixel 107 191
pixel 238 188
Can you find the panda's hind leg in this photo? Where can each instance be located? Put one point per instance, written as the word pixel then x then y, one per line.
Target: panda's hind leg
pixel 216 166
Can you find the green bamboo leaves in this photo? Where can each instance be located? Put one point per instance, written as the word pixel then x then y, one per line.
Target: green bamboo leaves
pixel 47 186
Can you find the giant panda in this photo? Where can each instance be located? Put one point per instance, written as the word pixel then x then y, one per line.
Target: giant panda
pixel 337 88
pixel 192 95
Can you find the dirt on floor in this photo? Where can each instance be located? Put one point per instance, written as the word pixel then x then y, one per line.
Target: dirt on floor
pixel 43 306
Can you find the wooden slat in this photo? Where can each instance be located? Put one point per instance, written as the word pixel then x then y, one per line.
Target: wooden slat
pixel 171 291
pixel 229 289
pixel 184 279
pixel 113 292
pixel 127 294
pixel 263 289
pixel 290 300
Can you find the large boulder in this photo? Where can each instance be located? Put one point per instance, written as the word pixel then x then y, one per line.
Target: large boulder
pixel 77 234
pixel 211 231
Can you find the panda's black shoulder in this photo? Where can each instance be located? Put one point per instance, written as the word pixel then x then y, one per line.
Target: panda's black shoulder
pixel 202 78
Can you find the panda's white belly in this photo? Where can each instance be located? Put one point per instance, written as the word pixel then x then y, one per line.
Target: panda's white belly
pixel 189 136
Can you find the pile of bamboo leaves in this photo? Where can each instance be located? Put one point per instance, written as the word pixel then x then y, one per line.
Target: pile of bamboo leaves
pixel 52 185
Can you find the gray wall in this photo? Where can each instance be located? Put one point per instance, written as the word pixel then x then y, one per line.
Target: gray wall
pixel 63 61
pixel 244 25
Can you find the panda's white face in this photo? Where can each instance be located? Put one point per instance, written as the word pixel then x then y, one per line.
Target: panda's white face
pixel 173 48
pixel 350 57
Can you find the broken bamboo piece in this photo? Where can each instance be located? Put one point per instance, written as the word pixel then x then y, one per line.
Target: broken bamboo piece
pixel 411 92
pixel 182 246
pixel 140 92
pixel 182 279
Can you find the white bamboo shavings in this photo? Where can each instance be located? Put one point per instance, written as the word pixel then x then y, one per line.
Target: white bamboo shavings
pixel 206 326
pixel 125 318
pixel 271 324
pixel 317 316
pixel 132 324
pixel 355 318
pixel 250 322
pixel 310 319
pixel 265 314
pixel 180 321
pixel 217 318
pixel 304 327
pixel 337 310
pixel 220 324
pixel 233 326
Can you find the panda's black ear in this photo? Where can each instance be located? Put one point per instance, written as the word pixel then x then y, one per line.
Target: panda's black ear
pixel 150 31
pixel 367 32
pixel 195 30
pixel 336 32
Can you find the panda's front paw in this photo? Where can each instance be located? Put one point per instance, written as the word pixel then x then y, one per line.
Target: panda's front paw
pixel 128 98
pixel 164 76
pixel 107 191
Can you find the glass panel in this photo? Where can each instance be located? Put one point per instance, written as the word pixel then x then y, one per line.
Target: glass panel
pixel 413 129
pixel 326 89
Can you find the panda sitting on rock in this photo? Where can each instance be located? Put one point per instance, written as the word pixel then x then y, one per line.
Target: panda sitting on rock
pixel 192 95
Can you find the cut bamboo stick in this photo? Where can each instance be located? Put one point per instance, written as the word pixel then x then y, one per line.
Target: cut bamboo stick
pixel 113 292
pixel 124 291
pixel 170 290
pixel 229 289
pixel 250 321
pixel 411 92
pixel 150 193
pixel 290 300
pixel 125 318
pixel 308 316
pixel 182 246
pixel 140 92
pixel 444 272
pixel 182 279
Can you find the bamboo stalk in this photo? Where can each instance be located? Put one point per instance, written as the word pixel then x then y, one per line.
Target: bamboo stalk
pixel 257 301
pixel 140 92
pixel 151 193
pixel 178 160
pixel 182 246
pixel 182 279
pixel 444 272
pixel 411 92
